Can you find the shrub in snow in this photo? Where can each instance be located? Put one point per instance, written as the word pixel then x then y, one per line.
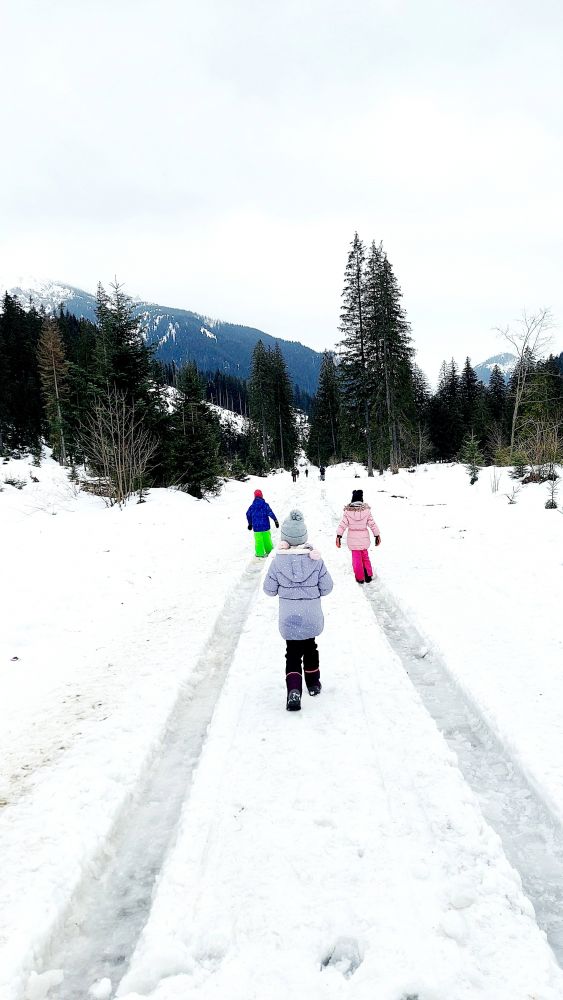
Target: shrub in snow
pixel 512 497
pixel 472 456
pixel 118 446
pixel 238 471
pixel 14 481
pixel 520 466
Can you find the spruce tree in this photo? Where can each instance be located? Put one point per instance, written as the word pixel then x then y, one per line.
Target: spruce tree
pixel 324 435
pixel 284 431
pixel 20 398
pixel 193 446
pixel 445 417
pixel 497 396
pixel 472 456
pixel 260 398
pixel 53 370
pixel 123 358
pixel 468 394
pixel 396 356
pixel 354 372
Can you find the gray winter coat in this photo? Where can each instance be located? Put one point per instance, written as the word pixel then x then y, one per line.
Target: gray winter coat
pixel 300 578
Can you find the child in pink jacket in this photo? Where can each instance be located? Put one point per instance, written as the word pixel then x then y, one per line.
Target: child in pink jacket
pixel 357 518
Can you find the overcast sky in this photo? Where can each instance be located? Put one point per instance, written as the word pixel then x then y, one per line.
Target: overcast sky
pixel 218 155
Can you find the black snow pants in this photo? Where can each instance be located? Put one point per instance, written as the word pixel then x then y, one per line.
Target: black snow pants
pixel 298 650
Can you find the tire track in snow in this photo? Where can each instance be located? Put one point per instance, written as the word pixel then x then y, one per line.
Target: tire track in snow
pixel 109 911
pixel 531 836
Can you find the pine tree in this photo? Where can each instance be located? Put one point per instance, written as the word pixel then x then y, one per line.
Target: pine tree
pixel 497 396
pixel 284 432
pixel 396 356
pixel 79 338
pixel 122 356
pixel 20 396
pixel 193 447
pixel 468 394
pixel 415 432
pixel 472 456
pixel 446 422
pixel 324 435
pixel 260 398
pixel 53 370
pixel 354 373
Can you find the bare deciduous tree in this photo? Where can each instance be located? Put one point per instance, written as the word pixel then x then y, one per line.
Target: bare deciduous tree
pixel 117 446
pixel 541 446
pixel 528 339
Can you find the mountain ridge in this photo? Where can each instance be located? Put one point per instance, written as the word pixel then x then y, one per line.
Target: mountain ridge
pixel 180 335
pixel 505 361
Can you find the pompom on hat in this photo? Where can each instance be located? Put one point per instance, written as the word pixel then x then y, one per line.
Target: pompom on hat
pixel 294 529
pixel 357 496
pixel 258 493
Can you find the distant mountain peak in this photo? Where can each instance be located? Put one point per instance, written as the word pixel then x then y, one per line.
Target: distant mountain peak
pixel 178 335
pixel 505 361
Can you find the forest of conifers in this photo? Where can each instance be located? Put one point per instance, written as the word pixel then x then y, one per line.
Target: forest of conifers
pixel 91 391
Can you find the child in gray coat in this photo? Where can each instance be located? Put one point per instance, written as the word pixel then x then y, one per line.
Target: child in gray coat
pixel 299 577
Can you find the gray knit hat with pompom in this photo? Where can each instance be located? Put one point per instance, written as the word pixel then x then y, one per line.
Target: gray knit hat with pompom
pixel 294 529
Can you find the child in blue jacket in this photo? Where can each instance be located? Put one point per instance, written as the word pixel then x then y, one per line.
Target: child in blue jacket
pixel 258 517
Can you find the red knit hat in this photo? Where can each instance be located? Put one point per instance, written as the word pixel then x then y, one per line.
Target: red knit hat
pixel 258 493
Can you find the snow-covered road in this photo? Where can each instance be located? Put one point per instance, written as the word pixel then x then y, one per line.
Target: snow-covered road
pixel 322 853
pixel 331 853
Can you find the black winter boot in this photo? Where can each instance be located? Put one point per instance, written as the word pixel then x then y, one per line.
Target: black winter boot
pixel 293 701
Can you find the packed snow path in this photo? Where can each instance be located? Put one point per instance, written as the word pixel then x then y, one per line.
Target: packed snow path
pixel 107 916
pixel 323 855
pixel 532 836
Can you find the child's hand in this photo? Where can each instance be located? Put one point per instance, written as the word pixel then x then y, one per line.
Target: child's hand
pixel 338 541
pixel 249 526
pixel 377 540
pixel 277 524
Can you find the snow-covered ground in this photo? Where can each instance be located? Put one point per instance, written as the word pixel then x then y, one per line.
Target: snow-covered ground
pixel 338 852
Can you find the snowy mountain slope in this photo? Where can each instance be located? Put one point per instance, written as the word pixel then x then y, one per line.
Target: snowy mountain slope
pixel 505 361
pixel 50 295
pixel 180 335
pixel 334 854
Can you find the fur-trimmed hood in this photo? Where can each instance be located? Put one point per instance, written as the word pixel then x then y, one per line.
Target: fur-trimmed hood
pixel 285 549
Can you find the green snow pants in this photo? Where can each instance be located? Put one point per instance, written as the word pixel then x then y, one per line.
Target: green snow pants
pixel 263 542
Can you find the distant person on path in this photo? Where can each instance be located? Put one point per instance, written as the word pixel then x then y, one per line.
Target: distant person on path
pixel 294 474
pixel 356 519
pixel 306 473
pixel 299 577
pixel 258 518
pixel 322 471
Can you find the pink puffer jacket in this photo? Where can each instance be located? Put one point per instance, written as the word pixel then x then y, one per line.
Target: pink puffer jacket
pixel 357 518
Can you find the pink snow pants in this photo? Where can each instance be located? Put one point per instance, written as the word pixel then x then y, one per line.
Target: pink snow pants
pixel 361 564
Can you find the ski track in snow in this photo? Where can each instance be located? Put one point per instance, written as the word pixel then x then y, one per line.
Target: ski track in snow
pixel 109 911
pixel 531 835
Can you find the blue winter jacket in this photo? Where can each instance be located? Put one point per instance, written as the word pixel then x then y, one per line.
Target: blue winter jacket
pixel 300 578
pixel 259 513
